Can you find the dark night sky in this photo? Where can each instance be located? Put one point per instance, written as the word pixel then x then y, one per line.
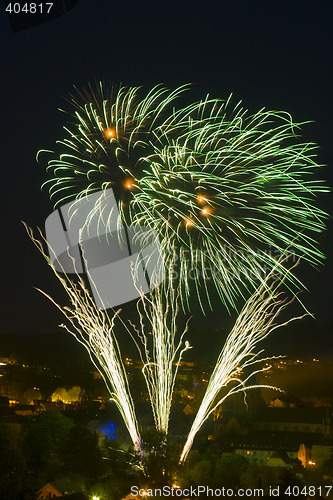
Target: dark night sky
pixel 277 55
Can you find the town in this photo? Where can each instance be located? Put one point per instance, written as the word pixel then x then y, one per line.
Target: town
pixel 58 421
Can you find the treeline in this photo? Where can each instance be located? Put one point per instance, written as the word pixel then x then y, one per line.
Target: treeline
pixel 51 446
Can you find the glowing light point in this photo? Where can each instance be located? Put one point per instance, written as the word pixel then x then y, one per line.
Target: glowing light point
pixel 201 199
pixel 188 222
pixel 206 211
pixel 128 184
pixel 109 133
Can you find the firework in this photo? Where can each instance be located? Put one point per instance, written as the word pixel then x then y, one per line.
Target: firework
pixel 227 195
pixel 94 329
pixel 233 192
pixel 156 339
pixel 240 351
pixel 226 192
pixel 107 144
pixel 161 349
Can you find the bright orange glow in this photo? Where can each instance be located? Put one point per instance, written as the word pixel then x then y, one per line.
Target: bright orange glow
pixel 201 199
pixel 188 222
pixel 109 133
pixel 206 211
pixel 128 184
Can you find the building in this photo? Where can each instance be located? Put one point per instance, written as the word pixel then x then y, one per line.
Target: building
pixel 59 488
pixel 297 420
pixel 260 448
pixel 280 459
pixel 314 454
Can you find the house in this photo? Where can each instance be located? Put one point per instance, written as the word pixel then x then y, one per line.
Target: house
pixel 297 420
pixel 278 403
pixel 48 405
pixel 75 496
pixel 24 410
pixel 227 423
pixel 321 452
pixel 258 448
pixel 279 459
pixel 310 450
pixel 59 488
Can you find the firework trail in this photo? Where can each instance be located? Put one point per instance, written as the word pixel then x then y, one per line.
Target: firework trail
pixel 255 322
pixel 162 353
pixel 222 186
pixel 95 331
pixel 161 349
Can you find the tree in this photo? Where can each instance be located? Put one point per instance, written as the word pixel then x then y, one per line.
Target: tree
pixel 258 476
pixel 43 440
pixel 160 457
pixel 32 394
pixel 202 472
pixel 60 394
pixel 81 454
pixel 75 394
pixel 288 478
pixel 72 395
pixel 228 471
pixel 15 481
pixel 120 461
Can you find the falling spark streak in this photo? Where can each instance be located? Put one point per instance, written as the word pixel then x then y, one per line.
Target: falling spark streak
pixel 162 352
pixel 95 331
pixel 218 188
pixel 220 184
pixel 255 322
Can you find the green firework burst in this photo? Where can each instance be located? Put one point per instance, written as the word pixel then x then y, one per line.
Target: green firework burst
pixel 226 192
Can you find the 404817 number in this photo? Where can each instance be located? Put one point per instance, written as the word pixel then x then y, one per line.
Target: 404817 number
pixel 308 491
pixel 29 8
